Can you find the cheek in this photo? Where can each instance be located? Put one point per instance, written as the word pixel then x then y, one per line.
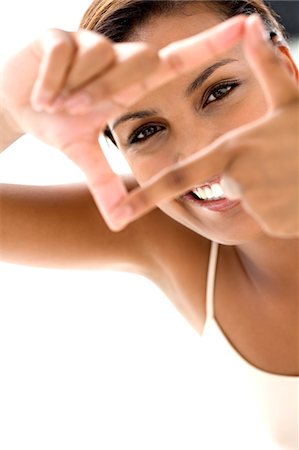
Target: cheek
pixel 147 162
pixel 249 107
pixel 252 108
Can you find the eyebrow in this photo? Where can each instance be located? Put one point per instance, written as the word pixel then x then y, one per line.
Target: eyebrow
pixel 199 80
pixel 203 76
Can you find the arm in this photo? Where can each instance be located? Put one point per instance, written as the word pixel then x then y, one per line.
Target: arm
pixel 57 226
pixel 60 227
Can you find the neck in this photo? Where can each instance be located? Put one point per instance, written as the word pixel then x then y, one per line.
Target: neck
pixel 271 264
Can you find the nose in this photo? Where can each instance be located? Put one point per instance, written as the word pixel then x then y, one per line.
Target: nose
pixel 194 142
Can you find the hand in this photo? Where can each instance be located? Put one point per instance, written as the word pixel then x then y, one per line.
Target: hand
pixel 57 89
pixel 259 161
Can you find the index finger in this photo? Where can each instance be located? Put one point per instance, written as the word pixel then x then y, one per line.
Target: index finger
pixel 172 182
pixel 105 186
pixel 182 56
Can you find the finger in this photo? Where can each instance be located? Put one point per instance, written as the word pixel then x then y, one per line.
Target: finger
pixel 276 82
pixel 57 50
pixel 146 70
pixel 134 62
pixel 182 56
pixel 95 54
pixel 231 187
pixel 105 186
pixel 175 181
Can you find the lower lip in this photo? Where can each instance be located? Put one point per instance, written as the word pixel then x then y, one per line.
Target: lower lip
pixel 220 205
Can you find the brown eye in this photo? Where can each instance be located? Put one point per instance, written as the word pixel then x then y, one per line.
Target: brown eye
pixel 146 131
pixel 219 92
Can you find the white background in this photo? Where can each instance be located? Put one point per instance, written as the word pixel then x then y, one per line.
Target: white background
pixel 93 360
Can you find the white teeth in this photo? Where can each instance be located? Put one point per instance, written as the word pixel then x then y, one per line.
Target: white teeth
pixel 199 192
pixel 217 190
pixel 208 193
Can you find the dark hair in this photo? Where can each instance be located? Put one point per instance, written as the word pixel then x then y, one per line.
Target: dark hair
pixel 118 19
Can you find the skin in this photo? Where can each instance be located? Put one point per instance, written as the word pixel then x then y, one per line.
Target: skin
pixel 188 130
pixel 247 261
pixel 199 129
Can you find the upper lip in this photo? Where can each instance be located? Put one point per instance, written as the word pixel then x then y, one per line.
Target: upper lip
pixel 213 180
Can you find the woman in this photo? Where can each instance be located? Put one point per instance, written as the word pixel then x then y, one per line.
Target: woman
pixel 212 143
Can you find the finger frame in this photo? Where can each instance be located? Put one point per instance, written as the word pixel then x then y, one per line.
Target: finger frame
pixel 280 90
pixel 126 82
pixel 172 182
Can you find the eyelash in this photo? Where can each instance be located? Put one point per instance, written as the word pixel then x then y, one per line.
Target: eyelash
pixel 229 84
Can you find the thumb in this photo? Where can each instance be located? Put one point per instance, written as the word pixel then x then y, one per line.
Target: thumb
pixel 231 187
pixel 105 186
pixel 272 74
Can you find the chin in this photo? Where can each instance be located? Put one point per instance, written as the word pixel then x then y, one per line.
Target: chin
pixel 236 231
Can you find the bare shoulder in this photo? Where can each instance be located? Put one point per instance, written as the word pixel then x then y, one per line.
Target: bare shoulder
pixel 180 259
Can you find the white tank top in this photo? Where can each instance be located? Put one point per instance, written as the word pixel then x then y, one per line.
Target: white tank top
pixel 275 398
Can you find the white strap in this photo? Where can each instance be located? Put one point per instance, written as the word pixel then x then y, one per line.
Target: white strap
pixel 211 280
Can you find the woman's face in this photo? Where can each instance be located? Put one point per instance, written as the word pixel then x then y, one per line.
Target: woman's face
pixel 227 97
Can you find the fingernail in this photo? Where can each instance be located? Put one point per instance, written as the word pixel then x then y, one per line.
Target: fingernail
pixel 77 103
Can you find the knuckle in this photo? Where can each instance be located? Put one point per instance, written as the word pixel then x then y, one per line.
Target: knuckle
pixel 145 57
pixel 175 63
pixel 141 200
pixel 151 56
pixel 103 88
pixel 59 41
pixel 233 145
pixel 140 47
pixel 211 47
pixel 176 180
pixel 60 46
pixel 152 62
pixel 106 51
pixel 228 145
pixel 103 43
pixel 130 94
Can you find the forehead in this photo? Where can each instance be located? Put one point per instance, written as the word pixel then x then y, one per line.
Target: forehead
pixel 162 30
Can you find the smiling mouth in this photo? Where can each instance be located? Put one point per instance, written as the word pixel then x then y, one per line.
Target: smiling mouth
pixel 210 190
pixel 210 195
